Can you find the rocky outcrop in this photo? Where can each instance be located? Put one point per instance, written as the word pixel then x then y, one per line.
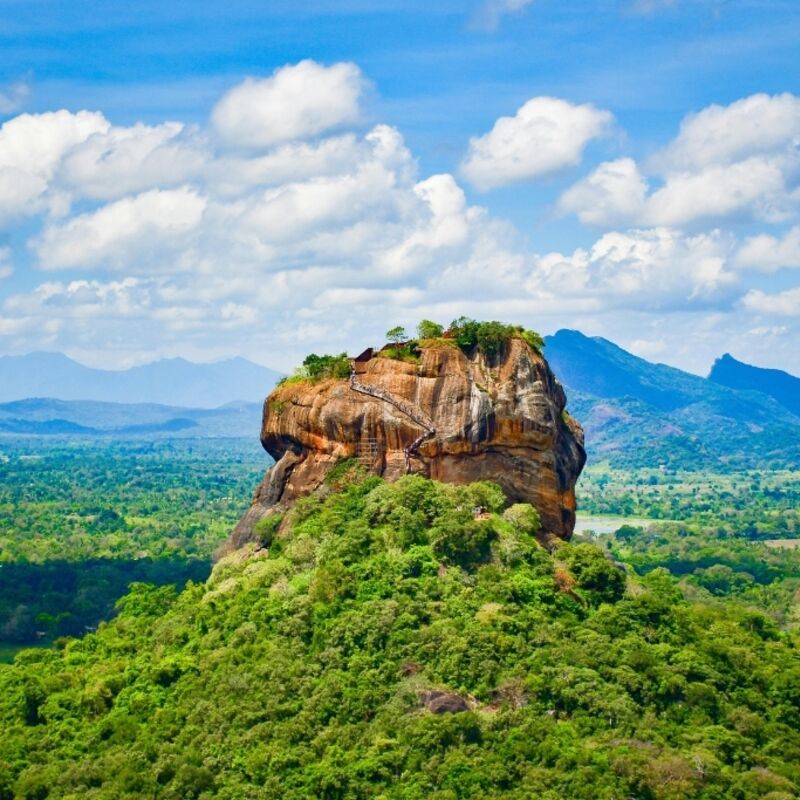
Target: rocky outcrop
pixel 452 417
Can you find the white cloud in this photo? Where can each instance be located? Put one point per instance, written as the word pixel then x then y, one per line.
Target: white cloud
pixel 231 175
pixel 656 268
pixel 36 142
pixel 740 162
pixel 177 243
pixel 31 146
pixel 491 12
pixel 758 124
pixel 13 96
pixel 613 193
pixel 769 253
pixel 754 187
pixel 83 299
pixel 120 161
pixel 129 231
pixel 783 304
pixel 544 136
pixel 296 102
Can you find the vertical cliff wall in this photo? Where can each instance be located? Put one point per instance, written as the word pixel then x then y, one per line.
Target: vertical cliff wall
pixel 453 417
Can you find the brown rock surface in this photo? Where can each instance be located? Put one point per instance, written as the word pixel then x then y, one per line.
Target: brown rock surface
pixel 452 417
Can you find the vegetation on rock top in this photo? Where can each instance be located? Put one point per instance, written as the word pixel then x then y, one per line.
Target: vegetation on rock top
pixel 468 334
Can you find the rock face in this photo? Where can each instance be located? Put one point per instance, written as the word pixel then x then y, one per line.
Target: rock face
pixel 452 417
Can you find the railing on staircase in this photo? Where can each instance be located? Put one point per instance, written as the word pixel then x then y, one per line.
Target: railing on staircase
pixel 401 405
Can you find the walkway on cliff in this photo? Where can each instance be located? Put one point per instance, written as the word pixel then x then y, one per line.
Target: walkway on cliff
pixel 401 405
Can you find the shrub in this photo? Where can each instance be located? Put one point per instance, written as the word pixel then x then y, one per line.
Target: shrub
pixel 266 528
pixel 319 368
pixel 461 540
pixel 524 517
pixel 594 573
pixel 490 337
pixel 405 352
pixel 429 330
pixel 345 472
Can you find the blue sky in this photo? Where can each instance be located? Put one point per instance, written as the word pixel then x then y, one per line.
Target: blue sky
pixel 696 279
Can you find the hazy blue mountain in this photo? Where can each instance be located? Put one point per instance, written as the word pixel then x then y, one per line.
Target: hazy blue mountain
pixel 782 386
pixel 639 413
pixel 45 416
pixel 172 381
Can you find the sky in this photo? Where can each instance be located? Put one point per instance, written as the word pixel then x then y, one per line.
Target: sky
pixel 265 180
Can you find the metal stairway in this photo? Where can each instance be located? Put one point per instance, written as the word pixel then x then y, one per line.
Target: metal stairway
pixel 401 405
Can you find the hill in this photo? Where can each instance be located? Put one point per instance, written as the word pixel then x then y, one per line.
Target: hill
pixel 781 386
pixel 392 644
pixel 489 410
pixel 636 413
pixel 46 416
pixel 173 381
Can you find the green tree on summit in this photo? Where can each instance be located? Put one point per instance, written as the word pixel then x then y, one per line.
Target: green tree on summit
pixel 427 329
pixel 396 335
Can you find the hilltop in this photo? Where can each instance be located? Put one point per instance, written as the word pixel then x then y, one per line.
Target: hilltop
pixel 456 412
pixel 776 383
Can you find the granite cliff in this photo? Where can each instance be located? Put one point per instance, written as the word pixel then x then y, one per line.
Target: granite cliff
pixel 454 417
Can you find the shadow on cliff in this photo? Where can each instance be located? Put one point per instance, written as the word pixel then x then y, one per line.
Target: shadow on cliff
pixel 39 602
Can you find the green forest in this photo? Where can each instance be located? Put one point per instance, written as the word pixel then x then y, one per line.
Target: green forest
pixel 80 521
pixel 391 644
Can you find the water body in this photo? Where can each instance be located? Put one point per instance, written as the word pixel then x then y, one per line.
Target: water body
pixel 609 524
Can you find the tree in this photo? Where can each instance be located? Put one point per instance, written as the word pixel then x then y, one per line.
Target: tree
pixel 397 334
pixel 429 330
pixel 465 332
pixel 492 337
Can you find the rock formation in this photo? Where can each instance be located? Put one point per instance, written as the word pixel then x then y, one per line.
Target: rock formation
pixel 453 417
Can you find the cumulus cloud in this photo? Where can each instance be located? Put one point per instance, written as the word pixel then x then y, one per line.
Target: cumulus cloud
pixel 759 124
pixel 122 233
pixel 770 253
pixel 783 304
pixel 546 135
pixel 613 193
pixel 233 174
pixel 740 161
pixel 31 147
pixel 82 299
pixel 296 102
pixel 118 161
pixel 754 187
pixel 175 239
pixel 651 268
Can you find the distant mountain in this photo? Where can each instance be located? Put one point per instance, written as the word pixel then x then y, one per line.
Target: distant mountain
pixel 48 417
pixel 782 386
pixel 172 381
pixel 641 414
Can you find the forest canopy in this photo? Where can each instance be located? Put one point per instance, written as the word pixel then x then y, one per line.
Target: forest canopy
pixel 393 643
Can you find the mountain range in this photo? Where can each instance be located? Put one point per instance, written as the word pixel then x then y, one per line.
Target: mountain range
pixel 636 413
pixel 174 381
pixel 781 386
pixel 46 416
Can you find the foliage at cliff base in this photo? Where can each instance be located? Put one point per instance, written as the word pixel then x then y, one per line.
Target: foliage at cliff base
pixel 305 672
